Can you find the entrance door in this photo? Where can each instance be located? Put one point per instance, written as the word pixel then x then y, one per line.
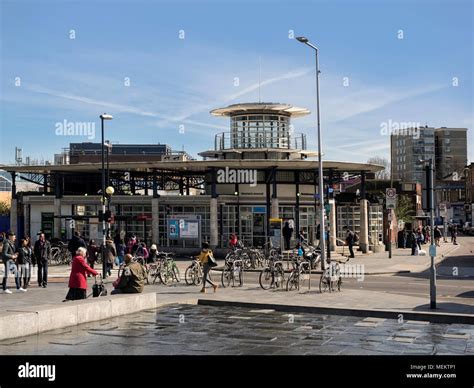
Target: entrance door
pixel 259 223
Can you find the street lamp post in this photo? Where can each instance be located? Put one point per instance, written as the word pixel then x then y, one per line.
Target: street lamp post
pixel 103 117
pixel 430 205
pixel 305 41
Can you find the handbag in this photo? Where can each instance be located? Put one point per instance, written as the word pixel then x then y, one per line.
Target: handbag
pixel 211 261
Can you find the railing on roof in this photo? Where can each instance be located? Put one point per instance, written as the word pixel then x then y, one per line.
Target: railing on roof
pixel 259 139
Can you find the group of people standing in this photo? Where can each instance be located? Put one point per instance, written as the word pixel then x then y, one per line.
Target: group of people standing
pixel 19 261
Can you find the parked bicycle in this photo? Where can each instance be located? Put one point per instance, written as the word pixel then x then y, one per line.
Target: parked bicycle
pixel 299 275
pixel 60 254
pixel 167 269
pixel 233 272
pixel 331 278
pixel 193 274
pixel 272 276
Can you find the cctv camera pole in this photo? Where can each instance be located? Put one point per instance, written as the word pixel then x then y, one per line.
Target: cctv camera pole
pixel 430 179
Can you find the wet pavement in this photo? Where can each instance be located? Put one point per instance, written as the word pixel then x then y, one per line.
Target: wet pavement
pixel 193 330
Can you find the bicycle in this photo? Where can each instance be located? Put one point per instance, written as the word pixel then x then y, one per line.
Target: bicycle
pixel 330 277
pixel 298 276
pixel 233 271
pixel 60 254
pixel 168 270
pixel 272 276
pixel 193 274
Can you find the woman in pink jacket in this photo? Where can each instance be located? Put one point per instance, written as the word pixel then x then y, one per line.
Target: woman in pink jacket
pixel 78 277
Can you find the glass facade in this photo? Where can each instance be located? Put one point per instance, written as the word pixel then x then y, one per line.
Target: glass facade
pixel 260 131
pixel 168 211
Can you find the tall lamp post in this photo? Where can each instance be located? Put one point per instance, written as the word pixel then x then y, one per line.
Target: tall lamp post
pixel 430 205
pixel 305 41
pixel 103 117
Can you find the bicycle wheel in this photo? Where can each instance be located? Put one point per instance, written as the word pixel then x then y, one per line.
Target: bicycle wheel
pixel 190 275
pixel 292 283
pixel 176 273
pixel 198 276
pixel 226 277
pixel 165 276
pixel 279 277
pixel 266 278
pixel 324 284
pixel 303 277
pixel 151 274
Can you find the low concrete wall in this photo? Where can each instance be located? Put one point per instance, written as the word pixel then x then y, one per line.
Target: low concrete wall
pixel 19 323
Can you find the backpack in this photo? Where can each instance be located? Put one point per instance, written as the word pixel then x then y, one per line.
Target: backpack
pixel 356 237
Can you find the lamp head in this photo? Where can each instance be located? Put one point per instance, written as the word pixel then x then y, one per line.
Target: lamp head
pixel 105 116
pixel 302 39
pixel 110 190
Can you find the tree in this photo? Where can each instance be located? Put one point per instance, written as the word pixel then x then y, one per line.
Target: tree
pixel 382 174
pixel 405 209
pixel 4 209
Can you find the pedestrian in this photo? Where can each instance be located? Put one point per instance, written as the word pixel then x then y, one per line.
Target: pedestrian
pixel 9 256
pixel 350 239
pixel 203 258
pixel 75 243
pixel 132 279
pixel 110 255
pixel 233 241
pixel 404 238
pixel 77 278
pixel 419 238
pixel 121 247
pixel 437 235
pixel 414 243
pixel 42 254
pixel 117 238
pixel 24 261
pixel 454 234
pixel 318 234
pixel 287 233
pixel 92 252
pixel 153 254
pixel 302 237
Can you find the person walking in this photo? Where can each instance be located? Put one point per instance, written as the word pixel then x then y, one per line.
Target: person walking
pixel 454 234
pixel 287 233
pixel 414 243
pixel 350 241
pixel 77 278
pixel 24 261
pixel 404 238
pixel 92 252
pixel 75 243
pixel 203 258
pixel 132 279
pixel 437 235
pixel 9 257
pixel 42 255
pixel 121 248
pixel 110 255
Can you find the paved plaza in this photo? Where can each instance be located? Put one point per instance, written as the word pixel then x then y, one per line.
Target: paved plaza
pixel 187 329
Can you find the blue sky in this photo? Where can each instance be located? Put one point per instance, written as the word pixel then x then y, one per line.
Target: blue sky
pixel 174 82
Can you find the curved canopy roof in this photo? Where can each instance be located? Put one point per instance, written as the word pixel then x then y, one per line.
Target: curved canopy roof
pixel 198 166
pixel 267 107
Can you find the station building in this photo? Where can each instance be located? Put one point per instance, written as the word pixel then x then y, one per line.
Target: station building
pixel 258 171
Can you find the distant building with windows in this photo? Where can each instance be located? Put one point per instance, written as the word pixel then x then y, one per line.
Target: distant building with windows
pixel 448 148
